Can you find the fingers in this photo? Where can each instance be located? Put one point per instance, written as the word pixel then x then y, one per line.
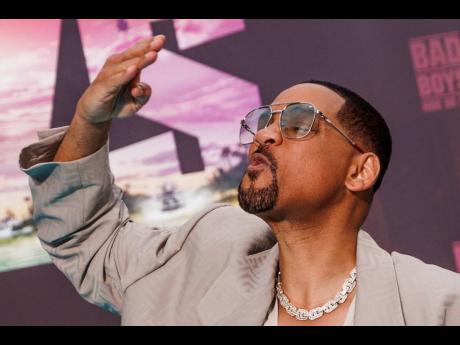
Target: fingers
pixel 127 73
pixel 141 62
pixel 151 44
pixel 135 102
pixel 141 93
pixel 117 80
pixel 158 43
pixel 139 47
pixel 121 74
pixel 133 56
pixel 118 75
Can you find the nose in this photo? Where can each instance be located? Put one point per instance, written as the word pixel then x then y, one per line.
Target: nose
pixel 270 135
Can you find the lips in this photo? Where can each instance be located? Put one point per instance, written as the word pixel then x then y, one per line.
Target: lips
pixel 258 160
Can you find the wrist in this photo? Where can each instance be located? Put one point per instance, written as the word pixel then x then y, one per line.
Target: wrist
pixel 83 128
pixel 82 118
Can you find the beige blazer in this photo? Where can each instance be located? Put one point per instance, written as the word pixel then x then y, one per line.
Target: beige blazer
pixel 216 269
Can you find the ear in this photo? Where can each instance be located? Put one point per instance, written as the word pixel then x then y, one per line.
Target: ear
pixel 363 173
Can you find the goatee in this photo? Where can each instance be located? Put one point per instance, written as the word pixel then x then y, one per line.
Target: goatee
pixel 257 200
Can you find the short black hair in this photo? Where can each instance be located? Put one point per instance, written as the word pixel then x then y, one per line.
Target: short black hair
pixel 364 122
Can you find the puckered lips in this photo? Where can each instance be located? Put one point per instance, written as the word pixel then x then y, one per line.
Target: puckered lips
pixel 258 161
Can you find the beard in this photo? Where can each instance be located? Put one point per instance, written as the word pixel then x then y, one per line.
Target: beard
pixel 257 200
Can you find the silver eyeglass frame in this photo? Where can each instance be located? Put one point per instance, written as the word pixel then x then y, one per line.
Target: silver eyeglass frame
pixel 317 112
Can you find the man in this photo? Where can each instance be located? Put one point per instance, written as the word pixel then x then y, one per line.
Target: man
pixel 297 256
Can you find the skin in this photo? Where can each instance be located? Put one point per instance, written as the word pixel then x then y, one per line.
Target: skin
pixel 115 92
pixel 324 197
pixel 324 183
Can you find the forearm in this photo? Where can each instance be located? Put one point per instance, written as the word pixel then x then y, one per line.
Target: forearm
pixel 78 212
pixel 82 139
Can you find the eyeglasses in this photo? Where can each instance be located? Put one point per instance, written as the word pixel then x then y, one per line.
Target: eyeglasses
pixel 295 122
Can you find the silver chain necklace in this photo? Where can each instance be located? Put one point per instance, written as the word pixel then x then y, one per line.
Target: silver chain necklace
pixel 303 314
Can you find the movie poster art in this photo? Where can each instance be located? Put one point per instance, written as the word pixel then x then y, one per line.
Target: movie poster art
pixel 192 98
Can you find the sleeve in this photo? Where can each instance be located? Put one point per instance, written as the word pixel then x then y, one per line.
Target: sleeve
pixel 84 225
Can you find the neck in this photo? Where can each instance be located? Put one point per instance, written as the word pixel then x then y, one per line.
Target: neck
pixel 315 258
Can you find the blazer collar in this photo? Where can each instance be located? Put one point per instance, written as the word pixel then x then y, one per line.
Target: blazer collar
pixel 377 296
pixel 244 291
pixel 242 294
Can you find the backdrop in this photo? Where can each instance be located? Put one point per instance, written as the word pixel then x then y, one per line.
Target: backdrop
pixel 180 152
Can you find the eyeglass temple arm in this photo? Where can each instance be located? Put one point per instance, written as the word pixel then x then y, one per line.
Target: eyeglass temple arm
pixel 246 127
pixel 340 131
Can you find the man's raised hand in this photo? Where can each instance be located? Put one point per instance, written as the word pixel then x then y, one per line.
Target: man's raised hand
pixel 117 90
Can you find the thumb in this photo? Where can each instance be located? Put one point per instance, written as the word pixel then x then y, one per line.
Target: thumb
pixel 141 94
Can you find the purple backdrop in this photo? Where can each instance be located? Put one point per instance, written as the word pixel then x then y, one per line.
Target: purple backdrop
pixel 408 69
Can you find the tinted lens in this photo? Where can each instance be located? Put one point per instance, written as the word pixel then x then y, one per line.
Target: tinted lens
pixel 255 120
pixel 296 120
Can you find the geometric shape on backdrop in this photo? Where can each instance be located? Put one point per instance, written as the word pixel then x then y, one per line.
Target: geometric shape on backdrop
pixel 71 81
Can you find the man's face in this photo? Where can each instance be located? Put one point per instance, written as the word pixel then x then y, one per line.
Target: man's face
pixel 303 176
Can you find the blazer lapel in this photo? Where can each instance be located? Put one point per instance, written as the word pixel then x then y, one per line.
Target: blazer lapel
pixel 377 295
pixel 244 291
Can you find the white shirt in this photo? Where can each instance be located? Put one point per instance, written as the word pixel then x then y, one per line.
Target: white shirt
pixel 272 319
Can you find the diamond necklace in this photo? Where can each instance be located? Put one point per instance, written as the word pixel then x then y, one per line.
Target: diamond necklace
pixel 303 314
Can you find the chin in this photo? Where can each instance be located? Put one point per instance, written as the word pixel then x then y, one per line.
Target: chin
pixel 258 201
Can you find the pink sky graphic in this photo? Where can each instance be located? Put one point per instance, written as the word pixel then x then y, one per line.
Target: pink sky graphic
pixel 188 95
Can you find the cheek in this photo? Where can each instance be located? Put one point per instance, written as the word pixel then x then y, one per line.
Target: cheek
pixel 310 178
